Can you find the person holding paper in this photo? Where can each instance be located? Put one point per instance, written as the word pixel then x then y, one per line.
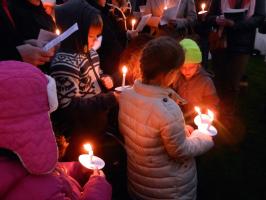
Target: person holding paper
pixel 83 105
pixel 13 46
pixel 236 21
pixel 184 15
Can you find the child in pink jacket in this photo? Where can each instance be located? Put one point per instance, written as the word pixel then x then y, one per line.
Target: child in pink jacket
pixel 28 151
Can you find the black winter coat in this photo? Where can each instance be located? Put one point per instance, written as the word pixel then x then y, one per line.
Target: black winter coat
pixel 29 19
pixel 240 37
pixel 9 38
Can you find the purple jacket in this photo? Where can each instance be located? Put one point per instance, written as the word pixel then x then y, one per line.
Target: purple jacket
pixel 17 183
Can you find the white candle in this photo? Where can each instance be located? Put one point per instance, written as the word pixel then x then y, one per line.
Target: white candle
pixel 57 31
pixel 124 72
pixel 133 22
pixel 88 148
pixel 211 116
pixel 203 6
pixel 197 109
pixel 165 5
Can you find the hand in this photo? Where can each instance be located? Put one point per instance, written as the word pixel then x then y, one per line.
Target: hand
pixel 35 55
pixel 189 130
pixel 36 43
pixel 172 23
pixel 132 34
pixel 221 21
pixel 108 82
pixel 97 172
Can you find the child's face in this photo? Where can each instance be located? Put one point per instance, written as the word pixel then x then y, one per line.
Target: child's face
pixel 94 32
pixel 188 70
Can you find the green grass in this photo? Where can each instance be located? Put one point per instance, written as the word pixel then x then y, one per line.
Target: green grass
pixel 237 170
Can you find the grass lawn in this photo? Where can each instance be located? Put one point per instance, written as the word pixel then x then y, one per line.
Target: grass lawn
pixel 236 167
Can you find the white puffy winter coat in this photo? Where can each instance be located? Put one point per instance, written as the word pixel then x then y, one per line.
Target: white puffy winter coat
pixel 160 155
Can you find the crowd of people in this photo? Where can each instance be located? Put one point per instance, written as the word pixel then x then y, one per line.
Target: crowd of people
pixel 52 101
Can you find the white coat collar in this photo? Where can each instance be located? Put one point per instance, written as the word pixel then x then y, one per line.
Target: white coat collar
pixel 156 91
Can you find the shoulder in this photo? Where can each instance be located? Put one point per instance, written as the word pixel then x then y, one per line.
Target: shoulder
pixel 69 60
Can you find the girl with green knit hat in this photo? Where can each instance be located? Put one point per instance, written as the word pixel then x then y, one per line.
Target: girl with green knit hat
pixel 194 83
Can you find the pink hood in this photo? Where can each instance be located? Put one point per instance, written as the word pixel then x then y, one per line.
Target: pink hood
pixel 25 126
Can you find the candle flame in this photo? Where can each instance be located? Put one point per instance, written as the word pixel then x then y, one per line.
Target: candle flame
pixel 197 109
pixel 211 115
pixel 57 31
pixel 88 148
pixel 124 69
pixel 133 22
pixel 203 6
pixel 165 8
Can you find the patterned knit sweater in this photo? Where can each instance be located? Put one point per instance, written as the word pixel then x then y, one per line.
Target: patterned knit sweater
pixel 76 76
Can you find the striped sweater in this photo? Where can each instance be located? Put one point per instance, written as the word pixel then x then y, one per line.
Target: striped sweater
pixel 75 76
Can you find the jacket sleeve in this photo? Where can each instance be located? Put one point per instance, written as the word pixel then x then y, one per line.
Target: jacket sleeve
pixel 249 24
pixel 8 39
pixel 210 97
pixel 97 188
pixel 190 15
pixel 154 20
pixel 178 145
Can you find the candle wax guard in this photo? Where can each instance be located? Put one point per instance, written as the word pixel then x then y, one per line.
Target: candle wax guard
pixel 205 120
pixel 97 163
pixel 202 12
pixel 121 88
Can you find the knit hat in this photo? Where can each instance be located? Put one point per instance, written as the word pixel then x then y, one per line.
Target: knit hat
pixel 192 51
pixel 25 125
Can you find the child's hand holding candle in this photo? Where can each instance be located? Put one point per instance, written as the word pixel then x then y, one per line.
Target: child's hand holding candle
pixel 89 160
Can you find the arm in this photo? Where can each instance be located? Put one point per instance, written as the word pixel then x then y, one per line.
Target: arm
pixel 249 24
pixel 97 188
pixel 178 145
pixel 210 98
pixel 190 15
pixel 154 20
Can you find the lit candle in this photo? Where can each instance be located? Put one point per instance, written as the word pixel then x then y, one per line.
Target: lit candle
pixel 133 22
pixel 211 116
pixel 57 31
pixel 203 6
pixel 165 5
pixel 124 72
pixel 88 148
pixel 197 109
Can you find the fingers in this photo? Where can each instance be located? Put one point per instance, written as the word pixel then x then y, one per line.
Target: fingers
pixel 34 55
pixel 107 81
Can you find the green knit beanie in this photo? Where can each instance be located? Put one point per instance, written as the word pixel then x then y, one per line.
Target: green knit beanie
pixel 192 51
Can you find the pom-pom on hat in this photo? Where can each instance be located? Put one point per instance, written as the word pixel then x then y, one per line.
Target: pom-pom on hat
pixel 25 125
pixel 192 51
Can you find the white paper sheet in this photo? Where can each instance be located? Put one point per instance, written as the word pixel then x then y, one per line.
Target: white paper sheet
pixel 61 37
pixel 143 22
pixel 169 14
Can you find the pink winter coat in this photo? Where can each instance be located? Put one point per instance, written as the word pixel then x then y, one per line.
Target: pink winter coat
pixel 32 172
pixel 17 183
